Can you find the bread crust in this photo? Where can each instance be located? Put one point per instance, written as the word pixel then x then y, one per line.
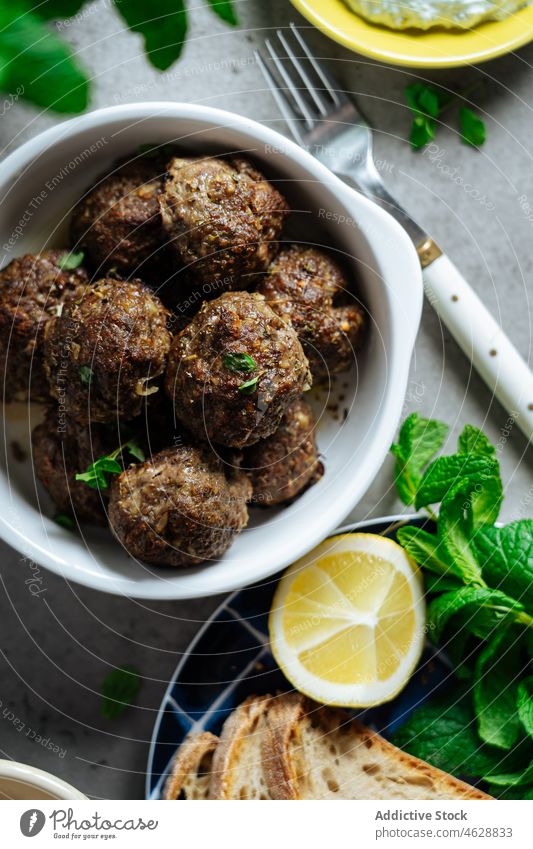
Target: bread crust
pixel 237 727
pixel 283 742
pixel 187 762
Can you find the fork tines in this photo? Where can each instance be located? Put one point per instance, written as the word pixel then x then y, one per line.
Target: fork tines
pixel 304 91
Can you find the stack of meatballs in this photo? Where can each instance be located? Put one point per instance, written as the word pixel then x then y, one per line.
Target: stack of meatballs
pixel 177 316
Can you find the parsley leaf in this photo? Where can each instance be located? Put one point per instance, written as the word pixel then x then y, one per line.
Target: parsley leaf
pixel 86 375
pixel 64 521
pixel 68 262
pixel 473 130
pixel 418 441
pixel 97 474
pixel 239 362
pixel 119 690
pixel 249 386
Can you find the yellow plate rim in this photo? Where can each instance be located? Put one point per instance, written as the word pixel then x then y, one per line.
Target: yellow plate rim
pixel 484 42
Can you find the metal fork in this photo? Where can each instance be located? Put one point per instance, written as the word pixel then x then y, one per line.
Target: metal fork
pixel 328 123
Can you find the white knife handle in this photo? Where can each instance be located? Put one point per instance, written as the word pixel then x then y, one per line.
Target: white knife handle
pixel 482 339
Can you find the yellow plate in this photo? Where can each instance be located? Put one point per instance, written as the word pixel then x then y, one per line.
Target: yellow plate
pixel 418 49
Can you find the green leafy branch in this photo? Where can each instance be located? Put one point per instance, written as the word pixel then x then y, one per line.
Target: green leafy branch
pixel 37 65
pixel 479 578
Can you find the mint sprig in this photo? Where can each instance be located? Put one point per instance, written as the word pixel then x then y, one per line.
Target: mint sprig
pixel 479 580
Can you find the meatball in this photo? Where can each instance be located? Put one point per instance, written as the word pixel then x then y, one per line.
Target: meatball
pixel 106 351
pixel 32 289
pixel 306 287
pixel 62 449
pixel 118 222
pixel 234 370
pixel 223 219
pixel 283 465
pixel 179 508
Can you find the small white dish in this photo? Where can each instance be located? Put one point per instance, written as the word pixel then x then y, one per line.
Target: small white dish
pixel 39 184
pixel 23 782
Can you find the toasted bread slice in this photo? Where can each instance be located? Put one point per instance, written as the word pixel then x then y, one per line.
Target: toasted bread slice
pixel 190 774
pixel 314 752
pixel 238 770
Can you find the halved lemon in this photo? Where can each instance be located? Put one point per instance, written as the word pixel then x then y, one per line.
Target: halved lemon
pixel 347 621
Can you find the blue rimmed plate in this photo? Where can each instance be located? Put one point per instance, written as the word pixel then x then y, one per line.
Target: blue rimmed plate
pixel 229 659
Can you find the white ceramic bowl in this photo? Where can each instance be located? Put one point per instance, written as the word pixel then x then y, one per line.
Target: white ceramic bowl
pixel 20 781
pixel 39 184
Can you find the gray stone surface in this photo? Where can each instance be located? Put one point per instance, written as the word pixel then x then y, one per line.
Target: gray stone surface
pixel 57 647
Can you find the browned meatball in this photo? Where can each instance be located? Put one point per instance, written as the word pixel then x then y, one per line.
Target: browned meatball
pixel 283 465
pixel 179 508
pixel 306 287
pixel 62 449
pixel 32 288
pixel 223 219
pixel 107 350
pixel 234 370
pixel 118 221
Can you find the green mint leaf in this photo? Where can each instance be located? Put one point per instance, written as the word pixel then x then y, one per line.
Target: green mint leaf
pixel 440 583
pixel 473 130
pixel 524 776
pixel 473 441
pixel 425 549
pixel 428 101
pixel 524 703
pixel 86 375
pixel 419 440
pixel 425 99
pixel 456 538
pixel 96 475
pixel 443 733
pixel 507 557
pixel 54 10
pixel 68 262
pixel 483 607
pixel 422 131
pixel 475 475
pixel 522 792
pixel 224 9
pixel 119 689
pixel 239 362
pixel 64 521
pixel 37 63
pixel 496 690
pixel 249 386
pixel 163 26
pixel 135 450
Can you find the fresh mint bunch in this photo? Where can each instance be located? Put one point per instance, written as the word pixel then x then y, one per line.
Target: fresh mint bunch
pixel 479 581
